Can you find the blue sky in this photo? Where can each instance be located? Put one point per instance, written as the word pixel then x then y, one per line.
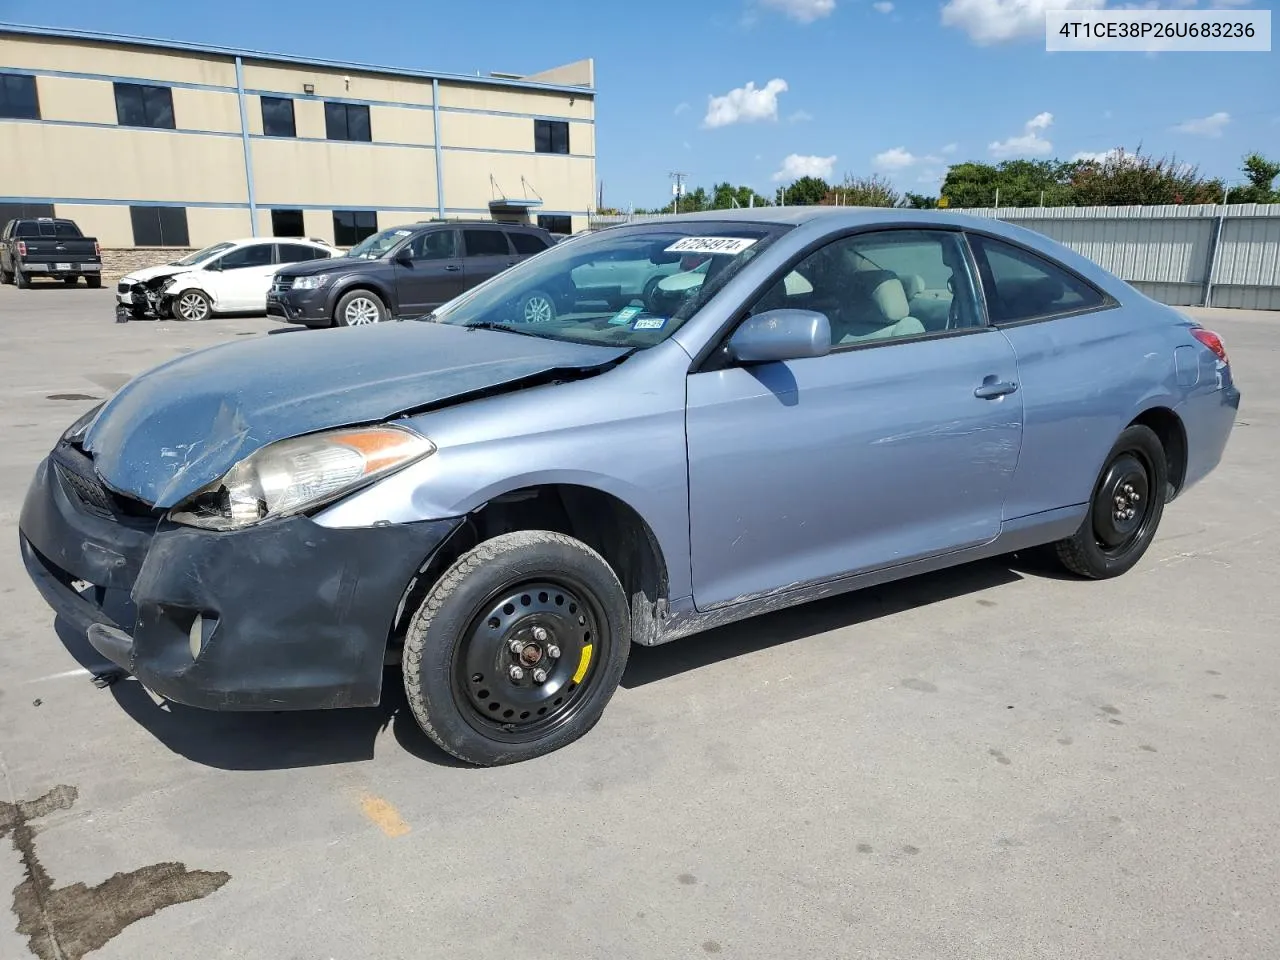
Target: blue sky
pixel 757 91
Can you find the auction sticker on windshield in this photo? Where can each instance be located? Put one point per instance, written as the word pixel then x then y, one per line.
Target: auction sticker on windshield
pixel 727 245
pixel 626 315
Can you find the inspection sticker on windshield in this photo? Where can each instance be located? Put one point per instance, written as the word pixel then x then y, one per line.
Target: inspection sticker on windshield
pixel 649 323
pixel 625 315
pixel 731 246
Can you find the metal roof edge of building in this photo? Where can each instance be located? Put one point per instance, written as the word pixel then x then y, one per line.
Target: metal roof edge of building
pixel 30 30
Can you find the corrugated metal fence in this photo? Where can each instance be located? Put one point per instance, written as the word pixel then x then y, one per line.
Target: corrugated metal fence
pixel 1203 255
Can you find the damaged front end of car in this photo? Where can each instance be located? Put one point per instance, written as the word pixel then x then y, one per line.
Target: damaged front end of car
pixel 148 300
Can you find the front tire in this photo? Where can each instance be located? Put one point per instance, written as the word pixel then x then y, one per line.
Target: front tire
pixel 359 308
pixel 191 305
pixel 517 648
pixel 1125 510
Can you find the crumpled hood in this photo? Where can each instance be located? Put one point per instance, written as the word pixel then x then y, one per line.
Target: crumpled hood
pixel 182 425
pixel 151 273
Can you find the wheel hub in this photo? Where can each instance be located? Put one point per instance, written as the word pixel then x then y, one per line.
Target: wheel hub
pixel 525 658
pixel 1123 502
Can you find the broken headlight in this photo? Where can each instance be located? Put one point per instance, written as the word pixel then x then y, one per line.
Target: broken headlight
pixel 290 476
pixel 75 433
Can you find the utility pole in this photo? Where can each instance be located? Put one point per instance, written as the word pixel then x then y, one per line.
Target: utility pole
pixel 677 189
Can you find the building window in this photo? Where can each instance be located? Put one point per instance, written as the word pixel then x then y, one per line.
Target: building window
pixel 277 117
pixel 23 211
pixel 18 100
pixel 140 105
pixel 553 223
pixel 287 223
pixel 352 226
pixel 551 136
pixel 346 121
pixel 159 226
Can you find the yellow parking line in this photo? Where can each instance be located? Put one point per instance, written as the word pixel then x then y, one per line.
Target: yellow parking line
pixel 384 816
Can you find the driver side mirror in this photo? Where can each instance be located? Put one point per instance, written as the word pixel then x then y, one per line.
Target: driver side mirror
pixel 776 335
pixel 404 256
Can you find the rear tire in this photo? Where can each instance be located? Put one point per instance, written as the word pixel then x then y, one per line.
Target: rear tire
pixel 5 277
pixel 1125 510
pixel 505 612
pixel 359 308
pixel 94 283
pixel 70 281
pixel 20 279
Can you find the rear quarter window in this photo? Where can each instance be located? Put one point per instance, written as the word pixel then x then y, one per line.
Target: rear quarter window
pixel 1022 286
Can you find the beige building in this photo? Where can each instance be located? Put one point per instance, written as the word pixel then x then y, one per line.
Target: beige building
pixel 149 143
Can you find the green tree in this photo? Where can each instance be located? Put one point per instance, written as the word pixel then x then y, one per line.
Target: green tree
pixel 807 191
pixel 919 201
pixel 872 191
pixel 1128 179
pixel 1261 173
pixel 725 195
pixel 1022 183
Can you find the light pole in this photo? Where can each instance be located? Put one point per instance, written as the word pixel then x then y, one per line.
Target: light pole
pixel 677 189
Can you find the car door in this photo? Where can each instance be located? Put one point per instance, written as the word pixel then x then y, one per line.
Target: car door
pixel 486 253
pixel 433 275
pixel 897 445
pixel 243 276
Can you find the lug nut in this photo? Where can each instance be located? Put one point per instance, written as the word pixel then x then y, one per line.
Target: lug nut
pixel 539 676
pixel 553 652
pixel 516 645
pixel 540 634
pixel 516 673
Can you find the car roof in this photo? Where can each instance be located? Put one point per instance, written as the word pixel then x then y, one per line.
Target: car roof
pixel 832 217
pixel 245 241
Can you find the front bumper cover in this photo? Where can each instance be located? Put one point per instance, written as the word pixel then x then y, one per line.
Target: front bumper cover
pixel 296 616
pixel 310 307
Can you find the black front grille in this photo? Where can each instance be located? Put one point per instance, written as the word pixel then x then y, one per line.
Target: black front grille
pixel 90 492
pixel 75 468
pixel 281 284
pixel 122 288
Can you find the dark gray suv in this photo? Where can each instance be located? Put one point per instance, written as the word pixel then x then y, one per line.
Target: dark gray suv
pixel 404 272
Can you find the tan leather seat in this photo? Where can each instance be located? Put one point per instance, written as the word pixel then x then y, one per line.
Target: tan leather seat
pixel 875 307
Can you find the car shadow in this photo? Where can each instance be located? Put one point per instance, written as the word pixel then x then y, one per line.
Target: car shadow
pixel 290 740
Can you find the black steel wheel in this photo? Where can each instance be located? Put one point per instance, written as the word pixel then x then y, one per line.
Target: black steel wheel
pixel 517 648
pixel 1127 504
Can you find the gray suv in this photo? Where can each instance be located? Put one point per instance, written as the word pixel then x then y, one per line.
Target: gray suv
pixel 403 271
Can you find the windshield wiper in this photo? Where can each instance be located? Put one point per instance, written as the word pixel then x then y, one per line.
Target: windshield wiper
pixel 499 325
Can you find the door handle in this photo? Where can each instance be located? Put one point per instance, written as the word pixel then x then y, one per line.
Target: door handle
pixel 452 267
pixel 992 388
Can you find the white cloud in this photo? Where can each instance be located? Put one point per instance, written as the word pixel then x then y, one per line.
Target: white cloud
pixel 1000 21
pixel 802 11
pixel 680 108
pixel 895 158
pixel 949 149
pixel 1102 157
pixel 745 104
pixel 796 166
pixel 884 6
pixel 800 116
pixel 1210 126
pixel 1028 143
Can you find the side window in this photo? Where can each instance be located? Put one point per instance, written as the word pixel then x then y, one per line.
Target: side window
pixel 486 243
pixel 436 245
pixel 550 136
pixel 277 117
pixel 159 226
pixel 18 97
pixel 526 243
pixel 144 105
pixel 1022 286
pixel 255 255
pixel 882 286
pixel 299 253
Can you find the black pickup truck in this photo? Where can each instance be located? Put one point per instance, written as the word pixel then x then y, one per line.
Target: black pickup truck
pixel 45 247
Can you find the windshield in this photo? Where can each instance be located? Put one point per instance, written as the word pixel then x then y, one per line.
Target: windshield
pixel 200 256
pixel 377 246
pixel 627 286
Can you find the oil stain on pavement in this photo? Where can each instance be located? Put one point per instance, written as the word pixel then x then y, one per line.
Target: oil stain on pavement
pixel 65 923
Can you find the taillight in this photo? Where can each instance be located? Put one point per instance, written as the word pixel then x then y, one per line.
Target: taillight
pixel 22 248
pixel 1212 341
pixel 97 249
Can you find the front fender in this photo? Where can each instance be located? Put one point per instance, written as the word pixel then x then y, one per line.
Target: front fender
pixel 343 284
